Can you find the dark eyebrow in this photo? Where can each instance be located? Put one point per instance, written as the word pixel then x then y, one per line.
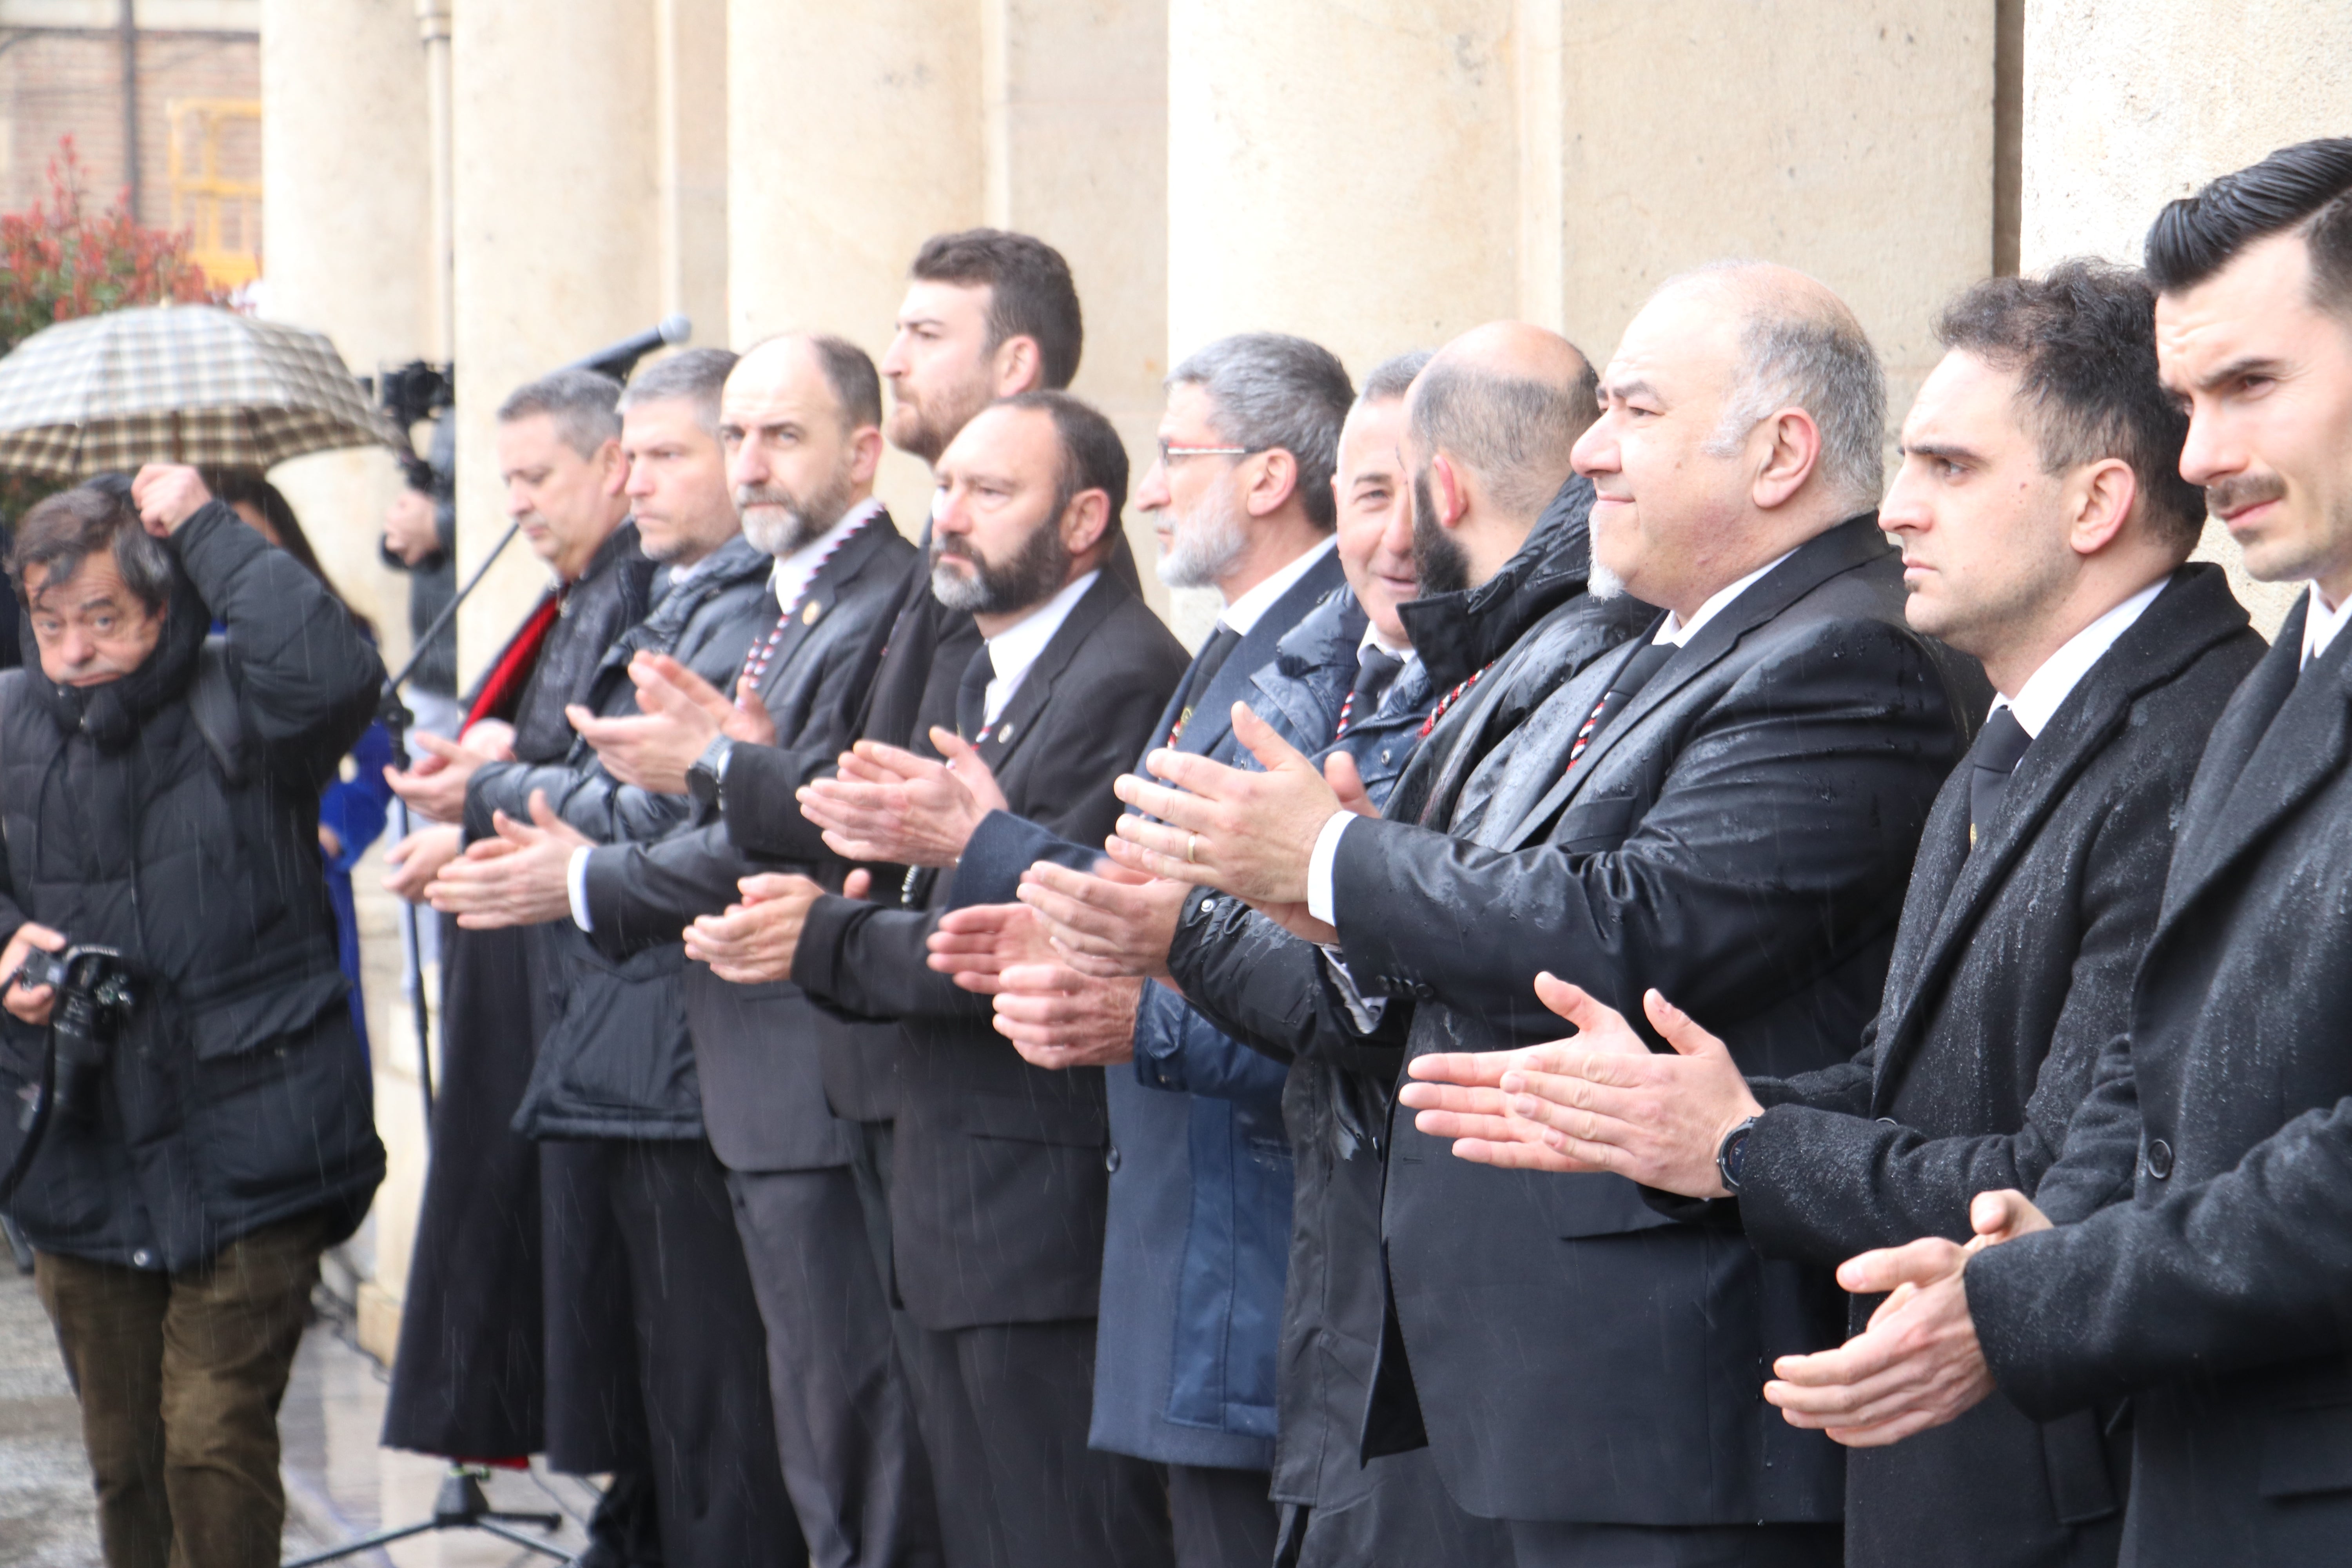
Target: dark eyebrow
pixel 1944 450
pixel 2248 365
pixel 1633 388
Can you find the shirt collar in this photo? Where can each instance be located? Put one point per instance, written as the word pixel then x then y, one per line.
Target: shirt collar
pixel 1012 651
pixel 2321 624
pixel 1244 613
pixel 2046 690
pixel 1372 638
pixel 1677 632
pixel 792 574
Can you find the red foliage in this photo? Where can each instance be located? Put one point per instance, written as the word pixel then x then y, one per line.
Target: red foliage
pixel 58 261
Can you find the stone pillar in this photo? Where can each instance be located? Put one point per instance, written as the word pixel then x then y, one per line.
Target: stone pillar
pixel 854 134
pixel 346 245
pixel 558 238
pixel 1852 143
pixel 2110 136
pixel 690 148
pixel 1347 172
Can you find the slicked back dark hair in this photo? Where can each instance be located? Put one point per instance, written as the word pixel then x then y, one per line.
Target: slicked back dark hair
pixel 1093 456
pixel 2307 187
pixel 2080 340
pixel 1030 291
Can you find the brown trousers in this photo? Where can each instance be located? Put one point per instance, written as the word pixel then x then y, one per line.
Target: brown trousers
pixel 180 1377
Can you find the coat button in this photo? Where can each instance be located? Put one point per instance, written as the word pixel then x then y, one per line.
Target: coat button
pixel 2159 1158
pixel 1110 1159
pixel 1208 906
pixel 143 1258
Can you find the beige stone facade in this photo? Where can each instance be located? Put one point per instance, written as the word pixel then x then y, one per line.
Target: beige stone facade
pixel 1373 174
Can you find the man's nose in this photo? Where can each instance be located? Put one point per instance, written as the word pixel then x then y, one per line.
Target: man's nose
pixel 75 645
pixel 894 358
pixel 1904 510
pixel 747 466
pixel 2209 453
pixel 1153 495
pixel 518 501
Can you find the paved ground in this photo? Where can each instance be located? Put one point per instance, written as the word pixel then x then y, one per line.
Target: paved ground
pixel 339 1484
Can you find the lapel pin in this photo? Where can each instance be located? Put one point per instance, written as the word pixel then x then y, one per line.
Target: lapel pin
pixel 1004 733
pixel 809 615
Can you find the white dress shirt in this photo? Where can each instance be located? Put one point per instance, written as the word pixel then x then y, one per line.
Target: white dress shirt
pixel 1244 613
pixel 2321 624
pixel 2044 691
pixel 787 582
pixel 1012 651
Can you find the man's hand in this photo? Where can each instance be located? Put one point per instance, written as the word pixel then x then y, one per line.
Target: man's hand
pixel 411 528
pixel 1606 1102
pixel 977 944
pixel 518 879
pixel 1249 834
pixel 1918 1362
pixel 416 860
pixel 754 941
pixel 29 1005
pixel 1114 924
pixel 679 714
pixel 436 786
pixel 1469 1094
pixel 167 495
pixel 891 805
pixel 1057 1019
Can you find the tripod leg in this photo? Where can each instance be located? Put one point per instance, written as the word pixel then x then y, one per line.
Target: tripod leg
pixel 364 1543
pixel 517 1538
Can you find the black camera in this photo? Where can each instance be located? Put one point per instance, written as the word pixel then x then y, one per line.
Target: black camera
pixel 93 997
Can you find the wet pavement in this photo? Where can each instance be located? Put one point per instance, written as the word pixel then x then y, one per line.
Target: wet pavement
pixel 339 1484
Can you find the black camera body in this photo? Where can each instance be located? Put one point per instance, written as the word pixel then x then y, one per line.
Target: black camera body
pixel 93 997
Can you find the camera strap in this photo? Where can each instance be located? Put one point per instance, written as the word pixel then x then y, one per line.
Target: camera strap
pixel 212 704
pixel 23 1163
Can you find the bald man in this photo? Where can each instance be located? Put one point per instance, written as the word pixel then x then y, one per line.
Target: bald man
pixel 1729 803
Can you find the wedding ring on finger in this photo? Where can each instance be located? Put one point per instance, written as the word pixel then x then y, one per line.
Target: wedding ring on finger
pixel 1191 842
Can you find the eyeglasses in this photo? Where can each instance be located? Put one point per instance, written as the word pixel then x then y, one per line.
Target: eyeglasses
pixel 1169 455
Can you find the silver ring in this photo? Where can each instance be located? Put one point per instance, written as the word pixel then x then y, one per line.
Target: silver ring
pixel 1191 842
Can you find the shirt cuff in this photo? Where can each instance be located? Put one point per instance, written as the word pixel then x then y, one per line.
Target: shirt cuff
pixel 1364 1007
pixel 1320 901
pixel 576 882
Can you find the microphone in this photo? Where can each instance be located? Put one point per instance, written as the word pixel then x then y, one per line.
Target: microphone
pixel 617 360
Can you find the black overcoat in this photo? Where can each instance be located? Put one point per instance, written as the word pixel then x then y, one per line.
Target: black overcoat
pixel 2215 1287
pixel 2012 971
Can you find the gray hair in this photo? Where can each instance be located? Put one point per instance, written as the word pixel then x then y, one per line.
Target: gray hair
pixel 692 376
pixel 1514 432
pixel 1269 389
pixel 584 404
pixel 1808 353
pixel 1393 378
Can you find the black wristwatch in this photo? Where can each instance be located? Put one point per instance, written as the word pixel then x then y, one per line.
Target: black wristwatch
pixel 710 771
pixel 1731 1151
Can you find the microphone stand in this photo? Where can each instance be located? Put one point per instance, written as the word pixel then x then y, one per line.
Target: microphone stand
pixel 395 719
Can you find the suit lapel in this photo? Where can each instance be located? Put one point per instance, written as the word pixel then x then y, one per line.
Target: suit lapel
pixel 2291 730
pixel 1851 543
pixel 1001 740
pixel 1212 711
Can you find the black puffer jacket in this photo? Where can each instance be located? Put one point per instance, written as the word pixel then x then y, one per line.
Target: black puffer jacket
pixel 238 1094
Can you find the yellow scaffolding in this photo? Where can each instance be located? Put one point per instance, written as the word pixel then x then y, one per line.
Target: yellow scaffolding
pixel 222 215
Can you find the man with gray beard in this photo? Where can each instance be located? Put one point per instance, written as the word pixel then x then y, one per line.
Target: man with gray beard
pixel 800 419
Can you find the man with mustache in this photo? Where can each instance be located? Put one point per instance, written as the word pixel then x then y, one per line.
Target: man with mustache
pixel 2187 1250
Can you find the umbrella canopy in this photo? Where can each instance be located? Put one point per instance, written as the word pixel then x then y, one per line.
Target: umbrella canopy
pixel 175 383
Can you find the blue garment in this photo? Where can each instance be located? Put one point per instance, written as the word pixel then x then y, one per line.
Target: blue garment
pixel 354 810
pixel 1197 1248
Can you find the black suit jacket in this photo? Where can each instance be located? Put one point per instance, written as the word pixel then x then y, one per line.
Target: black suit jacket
pixel 756 1047
pixel 2217 1287
pixel 1740 837
pixel 2012 971
pixel 997 1191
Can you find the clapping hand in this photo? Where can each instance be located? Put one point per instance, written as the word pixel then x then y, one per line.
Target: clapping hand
pixel 1058 1018
pixel 978 944
pixel 754 941
pixel 435 785
pixel 520 876
pixel 888 805
pixel 679 715
pixel 1113 925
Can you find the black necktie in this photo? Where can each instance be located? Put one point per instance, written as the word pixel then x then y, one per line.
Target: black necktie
pixel 1205 664
pixel 971 696
pixel 1376 670
pixel 1629 682
pixel 2000 745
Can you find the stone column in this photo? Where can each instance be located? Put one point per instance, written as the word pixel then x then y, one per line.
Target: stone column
pixel 2110 137
pixel 690 146
pixel 1852 143
pixel 854 134
pixel 558 238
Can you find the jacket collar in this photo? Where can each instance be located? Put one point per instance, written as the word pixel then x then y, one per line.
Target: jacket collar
pixel 1212 708
pixel 2195 612
pixel 1002 739
pixel 1462 632
pixel 838 571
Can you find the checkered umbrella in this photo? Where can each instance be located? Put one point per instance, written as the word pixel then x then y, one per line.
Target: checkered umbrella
pixel 175 383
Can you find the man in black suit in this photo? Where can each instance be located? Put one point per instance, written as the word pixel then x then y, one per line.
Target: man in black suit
pixel 2044 526
pixel 1732 803
pixel 2198 1263
pixel 800 421
pixel 997 1183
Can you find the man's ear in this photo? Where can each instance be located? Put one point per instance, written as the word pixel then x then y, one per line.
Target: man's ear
pixel 616 465
pixel 1274 482
pixel 1790 461
pixel 865 454
pixel 1017 367
pixel 1086 522
pixel 1448 495
pixel 2099 501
